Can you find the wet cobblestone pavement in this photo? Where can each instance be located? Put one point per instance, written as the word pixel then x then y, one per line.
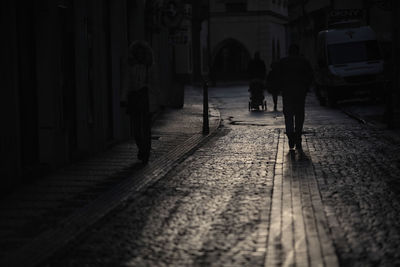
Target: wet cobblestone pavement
pixel 39 218
pixel 358 175
pixel 208 211
pixel 243 200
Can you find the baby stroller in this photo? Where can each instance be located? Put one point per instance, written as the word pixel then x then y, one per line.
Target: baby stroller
pixel 257 99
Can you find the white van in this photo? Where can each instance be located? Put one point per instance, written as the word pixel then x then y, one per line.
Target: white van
pixel 349 62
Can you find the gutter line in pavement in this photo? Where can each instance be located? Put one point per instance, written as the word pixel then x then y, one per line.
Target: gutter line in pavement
pixel 354 116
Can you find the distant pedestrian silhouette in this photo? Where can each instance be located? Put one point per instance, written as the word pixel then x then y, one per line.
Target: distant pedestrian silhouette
pixel 256 68
pixel 294 78
pixel 136 94
pixel 272 84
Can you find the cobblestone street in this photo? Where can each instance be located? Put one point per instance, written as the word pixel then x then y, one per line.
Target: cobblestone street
pixel 242 199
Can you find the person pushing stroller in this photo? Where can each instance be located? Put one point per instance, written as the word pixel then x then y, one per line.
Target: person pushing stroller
pixel 256 71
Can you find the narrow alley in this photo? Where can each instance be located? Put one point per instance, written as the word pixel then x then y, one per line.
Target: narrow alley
pixel 241 199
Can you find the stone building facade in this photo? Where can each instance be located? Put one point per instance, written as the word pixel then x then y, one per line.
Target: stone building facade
pixel 62 67
pixel 238 29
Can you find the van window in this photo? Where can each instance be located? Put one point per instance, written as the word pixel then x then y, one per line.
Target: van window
pixel 353 52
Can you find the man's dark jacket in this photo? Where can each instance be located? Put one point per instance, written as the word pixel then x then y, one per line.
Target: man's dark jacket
pixel 294 76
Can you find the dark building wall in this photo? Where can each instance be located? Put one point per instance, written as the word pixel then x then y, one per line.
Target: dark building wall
pixel 84 104
pixel 27 89
pixel 63 63
pixel 61 67
pixel 10 134
pixel 118 52
pixel 50 82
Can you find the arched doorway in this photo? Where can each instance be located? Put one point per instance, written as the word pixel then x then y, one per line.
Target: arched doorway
pixel 230 60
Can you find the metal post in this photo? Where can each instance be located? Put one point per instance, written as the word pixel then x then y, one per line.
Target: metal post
pixel 206 127
pixel 395 112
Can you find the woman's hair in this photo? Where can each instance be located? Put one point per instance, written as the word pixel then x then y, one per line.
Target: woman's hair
pixel 140 52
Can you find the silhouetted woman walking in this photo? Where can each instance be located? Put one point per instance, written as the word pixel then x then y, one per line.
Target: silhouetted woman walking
pixel 137 95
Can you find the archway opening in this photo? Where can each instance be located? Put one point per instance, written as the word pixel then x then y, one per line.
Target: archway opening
pixel 230 61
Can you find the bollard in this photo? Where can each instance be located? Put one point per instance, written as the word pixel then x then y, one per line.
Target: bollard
pixel 206 127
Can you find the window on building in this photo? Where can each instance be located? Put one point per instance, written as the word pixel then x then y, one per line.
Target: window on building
pixel 236 5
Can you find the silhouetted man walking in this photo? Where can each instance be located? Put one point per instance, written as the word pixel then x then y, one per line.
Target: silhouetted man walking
pixel 294 77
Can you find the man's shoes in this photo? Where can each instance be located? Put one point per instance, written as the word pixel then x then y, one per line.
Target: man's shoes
pixel 299 146
pixel 291 143
pixel 298 142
